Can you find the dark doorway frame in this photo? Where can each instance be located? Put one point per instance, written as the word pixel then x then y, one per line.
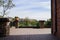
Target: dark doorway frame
pixel 54 11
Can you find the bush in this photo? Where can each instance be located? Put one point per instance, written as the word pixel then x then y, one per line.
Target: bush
pixel 48 23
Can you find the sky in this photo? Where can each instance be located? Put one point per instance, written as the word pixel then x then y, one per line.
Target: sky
pixel 33 9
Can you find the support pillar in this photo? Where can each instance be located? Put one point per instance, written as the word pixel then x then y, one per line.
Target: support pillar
pixel 41 23
pixel 55 10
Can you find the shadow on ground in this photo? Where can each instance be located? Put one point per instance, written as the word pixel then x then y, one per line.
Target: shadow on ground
pixel 30 37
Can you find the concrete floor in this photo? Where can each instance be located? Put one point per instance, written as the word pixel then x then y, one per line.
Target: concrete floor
pixel 30 34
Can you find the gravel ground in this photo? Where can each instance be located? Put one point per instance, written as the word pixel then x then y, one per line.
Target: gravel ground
pixel 29 31
pixel 30 34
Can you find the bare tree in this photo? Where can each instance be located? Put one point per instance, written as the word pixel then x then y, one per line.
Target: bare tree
pixel 6 4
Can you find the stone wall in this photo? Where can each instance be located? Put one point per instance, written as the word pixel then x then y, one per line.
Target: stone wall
pixel 41 23
pixel 4 27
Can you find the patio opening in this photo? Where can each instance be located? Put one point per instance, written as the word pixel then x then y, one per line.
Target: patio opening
pixel 29 20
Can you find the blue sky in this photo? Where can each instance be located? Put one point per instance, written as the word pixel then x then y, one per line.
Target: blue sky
pixel 33 9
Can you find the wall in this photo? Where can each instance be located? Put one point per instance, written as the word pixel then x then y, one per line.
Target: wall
pixel 56 17
pixel 53 15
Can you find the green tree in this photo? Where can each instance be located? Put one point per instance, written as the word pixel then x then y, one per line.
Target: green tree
pixel 48 23
pixel 6 4
pixel 26 21
pixel 34 22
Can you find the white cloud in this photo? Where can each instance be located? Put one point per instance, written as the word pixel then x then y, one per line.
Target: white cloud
pixel 33 15
pixel 33 5
pixel 26 4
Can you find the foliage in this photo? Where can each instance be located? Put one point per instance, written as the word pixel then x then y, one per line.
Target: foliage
pixel 48 23
pixel 38 25
pixel 28 22
pixel 6 4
